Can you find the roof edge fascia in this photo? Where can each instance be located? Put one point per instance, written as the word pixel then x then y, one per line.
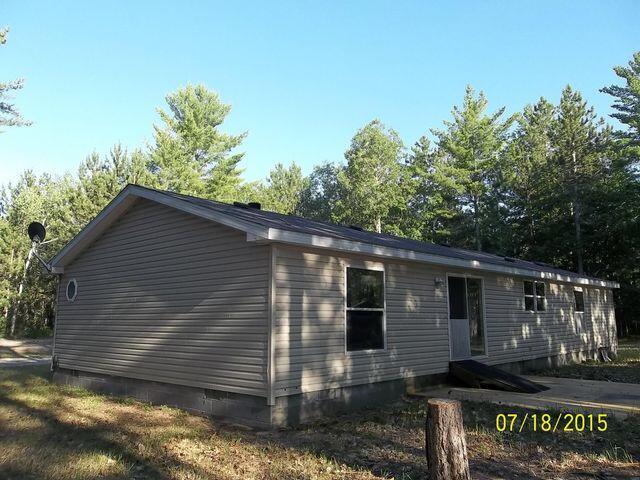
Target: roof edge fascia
pixel 318 241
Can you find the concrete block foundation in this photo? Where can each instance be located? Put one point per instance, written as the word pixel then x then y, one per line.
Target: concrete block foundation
pixel 247 409
pixel 288 410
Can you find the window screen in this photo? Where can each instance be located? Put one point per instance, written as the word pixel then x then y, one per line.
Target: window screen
pixel 457 297
pixel 579 298
pixel 365 309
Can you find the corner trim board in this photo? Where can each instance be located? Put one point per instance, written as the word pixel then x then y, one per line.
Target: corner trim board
pixel 271 365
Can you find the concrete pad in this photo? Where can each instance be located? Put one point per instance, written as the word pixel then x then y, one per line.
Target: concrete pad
pixel 564 394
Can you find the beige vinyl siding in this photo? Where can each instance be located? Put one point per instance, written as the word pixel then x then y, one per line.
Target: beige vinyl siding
pixel 310 324
pixel 310 321
pixel 515 334
pixel 168 297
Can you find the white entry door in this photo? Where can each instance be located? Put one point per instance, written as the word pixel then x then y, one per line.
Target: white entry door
pixel 466 317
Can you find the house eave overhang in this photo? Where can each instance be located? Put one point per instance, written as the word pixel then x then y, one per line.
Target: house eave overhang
pixel 259 233
pixel 342 245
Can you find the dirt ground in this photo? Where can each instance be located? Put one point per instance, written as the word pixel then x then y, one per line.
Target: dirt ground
pixel 25 348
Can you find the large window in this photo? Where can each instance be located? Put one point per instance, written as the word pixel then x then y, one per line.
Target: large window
pixel 534 296
pixel 365 309
pixel 578 295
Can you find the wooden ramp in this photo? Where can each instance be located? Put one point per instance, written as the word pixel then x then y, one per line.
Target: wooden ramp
pixel 563 394
pixel 475 374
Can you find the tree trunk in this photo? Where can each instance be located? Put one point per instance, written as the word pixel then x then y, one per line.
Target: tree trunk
pixel 445 441
pixel 378 225
pixel 476 223
pixel 16 308
pixel 577 211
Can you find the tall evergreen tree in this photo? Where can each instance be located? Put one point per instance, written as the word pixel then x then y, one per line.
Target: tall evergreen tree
pixel 371 181
pixel 627 101
pixel 617 240
pixel 473 144
pixel 9 115
pixel 577 142
pixel 100 179
pixel 191 155
pixel 527 172
pixel 432 204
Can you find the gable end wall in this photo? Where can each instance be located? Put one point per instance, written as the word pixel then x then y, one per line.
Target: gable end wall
pixel 168 297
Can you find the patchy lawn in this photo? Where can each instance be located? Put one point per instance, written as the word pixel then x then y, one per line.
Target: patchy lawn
pixel 27 348
pixel 54 432
pixel 626 368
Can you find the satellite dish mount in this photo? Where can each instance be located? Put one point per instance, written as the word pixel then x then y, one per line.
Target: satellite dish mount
pixel 37 233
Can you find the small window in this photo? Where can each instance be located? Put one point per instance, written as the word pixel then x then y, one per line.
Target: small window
pixel 534 296
pixel 72 290
pixel 578 295
pixel 365 309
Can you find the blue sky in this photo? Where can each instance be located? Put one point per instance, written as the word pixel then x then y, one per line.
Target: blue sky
pixel 301 76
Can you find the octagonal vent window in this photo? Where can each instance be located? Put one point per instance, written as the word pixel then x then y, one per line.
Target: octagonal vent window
pixel 72 290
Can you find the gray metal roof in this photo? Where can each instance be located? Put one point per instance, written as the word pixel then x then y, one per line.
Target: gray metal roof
pixel 303 225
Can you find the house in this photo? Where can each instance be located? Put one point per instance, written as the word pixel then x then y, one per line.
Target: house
pixel 270 319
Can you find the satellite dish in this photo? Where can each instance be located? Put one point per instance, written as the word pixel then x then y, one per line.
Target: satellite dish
pixel 36 232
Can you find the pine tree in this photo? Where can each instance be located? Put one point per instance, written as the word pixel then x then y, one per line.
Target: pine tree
pixel 473 145
pixel 576 140
pixel 529 180
pixel 432 205
pixel 616 243
pixel 191 155
pixel 9 115
pixel 371 181
pixel 100 179
pixel 627 101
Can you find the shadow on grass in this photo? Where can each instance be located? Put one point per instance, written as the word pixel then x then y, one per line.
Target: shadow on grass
pixel 54 444
pixel 385 441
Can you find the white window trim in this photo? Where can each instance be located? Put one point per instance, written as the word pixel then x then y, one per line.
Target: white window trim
pixel 484 315
pixel 377 268
pixel 66 290
pixel 535 296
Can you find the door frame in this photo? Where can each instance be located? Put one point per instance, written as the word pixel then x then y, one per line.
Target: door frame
pixel 484 315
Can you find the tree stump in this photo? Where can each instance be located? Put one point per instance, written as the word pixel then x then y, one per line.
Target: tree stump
pixel 445 441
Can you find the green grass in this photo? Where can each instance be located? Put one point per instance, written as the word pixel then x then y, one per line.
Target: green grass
pixel 625 368
pixel 53 432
